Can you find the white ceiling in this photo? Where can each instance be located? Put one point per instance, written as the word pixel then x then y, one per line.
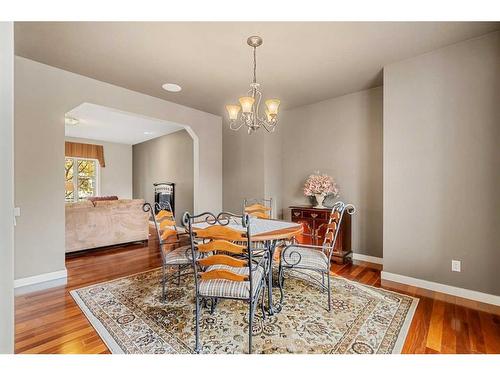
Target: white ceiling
pixel 299 62
pixel 110 125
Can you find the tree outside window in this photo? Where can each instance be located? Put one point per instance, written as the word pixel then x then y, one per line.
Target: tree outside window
pixel 81 178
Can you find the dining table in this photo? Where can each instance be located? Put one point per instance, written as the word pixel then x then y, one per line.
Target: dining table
pixel 269 232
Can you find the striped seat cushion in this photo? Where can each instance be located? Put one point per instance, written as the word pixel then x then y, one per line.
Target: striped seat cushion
pixel 228 288
pixel 180 255
pixel 305 257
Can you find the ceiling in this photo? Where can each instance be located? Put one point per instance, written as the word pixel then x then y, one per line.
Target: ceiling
pixel 299 62
pixel 110 125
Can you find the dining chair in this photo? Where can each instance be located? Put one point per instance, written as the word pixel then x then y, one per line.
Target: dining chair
pixel 316 258
pixel 258 207
pixel 223 263
pixel 173 244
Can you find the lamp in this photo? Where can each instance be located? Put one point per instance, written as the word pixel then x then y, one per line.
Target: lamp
pixel 273 105
pixel 250 116
pixel 246 103
pixel 233 110
pixel 68 120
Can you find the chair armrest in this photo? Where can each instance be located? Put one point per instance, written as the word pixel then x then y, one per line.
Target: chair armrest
pixel 318 247
pixel 295 257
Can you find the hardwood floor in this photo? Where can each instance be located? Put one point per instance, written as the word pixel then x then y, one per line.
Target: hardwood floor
pixel 50 322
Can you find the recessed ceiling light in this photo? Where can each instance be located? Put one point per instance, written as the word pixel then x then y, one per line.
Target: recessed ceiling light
pixel 172 87
pixel 71 121
pixel 148 133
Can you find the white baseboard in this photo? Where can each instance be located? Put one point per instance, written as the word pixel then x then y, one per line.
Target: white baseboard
pixel 442 288
pixel 367 258
pixel 43 278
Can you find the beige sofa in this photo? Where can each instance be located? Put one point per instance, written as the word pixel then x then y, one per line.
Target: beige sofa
pixel 104 223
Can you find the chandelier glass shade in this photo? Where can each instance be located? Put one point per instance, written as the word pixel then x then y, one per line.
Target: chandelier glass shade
pixel 247 113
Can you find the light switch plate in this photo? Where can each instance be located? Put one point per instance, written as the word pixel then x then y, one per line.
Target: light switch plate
pixel 17 211
pixel 456 265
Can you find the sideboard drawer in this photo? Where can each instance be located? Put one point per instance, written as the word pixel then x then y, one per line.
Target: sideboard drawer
pixel 317 215
pixel 296 214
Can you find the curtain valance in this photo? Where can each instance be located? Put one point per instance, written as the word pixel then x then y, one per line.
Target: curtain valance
pixel 83 150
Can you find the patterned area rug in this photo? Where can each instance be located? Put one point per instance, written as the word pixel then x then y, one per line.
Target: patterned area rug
pixel 130 318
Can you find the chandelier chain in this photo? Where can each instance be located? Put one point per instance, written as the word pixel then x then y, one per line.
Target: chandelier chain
pixel 254 65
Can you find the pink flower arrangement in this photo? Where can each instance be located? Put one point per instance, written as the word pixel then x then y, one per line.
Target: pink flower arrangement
pixel 321 184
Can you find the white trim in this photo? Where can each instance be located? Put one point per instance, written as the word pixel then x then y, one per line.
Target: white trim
pixel 367 258
pixel 196 165
pixel 43 278
pixel 442 288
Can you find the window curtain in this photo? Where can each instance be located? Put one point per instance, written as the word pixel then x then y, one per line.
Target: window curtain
pixel 87 151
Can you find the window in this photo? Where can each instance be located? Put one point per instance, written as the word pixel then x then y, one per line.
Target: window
pixel 82 177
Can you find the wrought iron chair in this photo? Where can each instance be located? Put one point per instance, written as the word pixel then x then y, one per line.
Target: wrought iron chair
pixel 223 263
pixel 260 208
pixel 316 258
pixel 173 253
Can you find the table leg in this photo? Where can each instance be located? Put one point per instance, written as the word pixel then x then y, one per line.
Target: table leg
pixel 272 309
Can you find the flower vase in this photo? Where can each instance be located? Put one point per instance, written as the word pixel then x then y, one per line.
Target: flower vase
pixel 319 200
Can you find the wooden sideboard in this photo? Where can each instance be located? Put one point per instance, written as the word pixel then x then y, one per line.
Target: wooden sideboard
pixel 314 222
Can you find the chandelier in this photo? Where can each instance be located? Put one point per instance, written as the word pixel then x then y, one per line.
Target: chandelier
pixel 249 105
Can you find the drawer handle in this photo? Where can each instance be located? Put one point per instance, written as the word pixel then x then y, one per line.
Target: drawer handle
pixel 314 216
pixel 296 213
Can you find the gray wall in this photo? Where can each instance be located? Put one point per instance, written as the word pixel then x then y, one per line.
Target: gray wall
pixel 341 137
pixel 165 159
pixel 251 168
pixel 116 177
pixel 442 165
pixel 243 167
pixel 274 157
pixel 6 187
pixel 43 94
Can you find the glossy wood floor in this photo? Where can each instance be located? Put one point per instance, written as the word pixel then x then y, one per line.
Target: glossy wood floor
pixel 50 322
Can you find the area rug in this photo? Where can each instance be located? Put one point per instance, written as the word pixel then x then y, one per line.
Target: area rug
pixel 130 318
